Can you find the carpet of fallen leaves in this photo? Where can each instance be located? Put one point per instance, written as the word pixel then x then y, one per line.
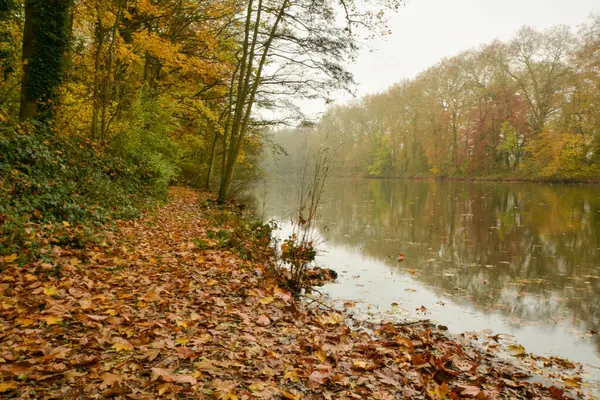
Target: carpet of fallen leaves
pixel 149 315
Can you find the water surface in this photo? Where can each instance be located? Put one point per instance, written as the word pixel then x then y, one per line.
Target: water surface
pixel 519 259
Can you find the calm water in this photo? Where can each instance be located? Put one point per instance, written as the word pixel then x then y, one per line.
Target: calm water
pixel 518 259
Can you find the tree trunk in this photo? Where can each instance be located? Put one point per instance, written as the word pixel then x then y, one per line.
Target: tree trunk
pixel 28 101
pixel 211 161
pixel 247 94
pixel 96 88
pixel 45 41
pixel 108 73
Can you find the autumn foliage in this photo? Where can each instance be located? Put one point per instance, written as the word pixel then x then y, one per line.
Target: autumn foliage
pixel 525 108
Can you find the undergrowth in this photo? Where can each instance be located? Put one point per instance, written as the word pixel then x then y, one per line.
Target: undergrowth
pixel 58 190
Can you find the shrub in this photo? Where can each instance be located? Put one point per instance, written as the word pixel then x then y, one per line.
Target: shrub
pixel 49 179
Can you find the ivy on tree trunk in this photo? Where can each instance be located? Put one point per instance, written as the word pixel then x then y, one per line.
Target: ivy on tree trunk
pixel 45 40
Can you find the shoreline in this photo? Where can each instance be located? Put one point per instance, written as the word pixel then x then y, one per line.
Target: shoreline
pixel 565 181
pixel 503 179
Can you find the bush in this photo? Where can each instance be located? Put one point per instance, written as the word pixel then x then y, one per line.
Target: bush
pixel 47 179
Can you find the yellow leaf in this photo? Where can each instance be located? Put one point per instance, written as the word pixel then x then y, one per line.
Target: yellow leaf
pixel 182 341
pixel 6 386
pixel 517 350
pixel 331 319
pixel 212 282
pixel 572 382
pixel 439 392
pixel 292 376
pixel 25 321
pixel 360 364
pixel 7 278
pixel 10 258
pixel 50 291
pixel 162 389
pixel 122 346
pixel 181 324
pixel 53 320
pixel 75 261
pixel 289 395
pixel 267 300
pixel 257 387
pixel 65 223
pixel 320 354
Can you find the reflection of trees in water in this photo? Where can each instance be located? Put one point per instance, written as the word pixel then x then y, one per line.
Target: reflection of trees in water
pixel 529 251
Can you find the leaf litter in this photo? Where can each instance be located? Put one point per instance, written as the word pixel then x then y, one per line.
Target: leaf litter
pixel 148 314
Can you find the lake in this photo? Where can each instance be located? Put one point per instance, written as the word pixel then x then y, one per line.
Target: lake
pixel 520 259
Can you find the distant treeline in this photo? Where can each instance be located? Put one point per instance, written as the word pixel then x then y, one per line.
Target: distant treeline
pixel 526 108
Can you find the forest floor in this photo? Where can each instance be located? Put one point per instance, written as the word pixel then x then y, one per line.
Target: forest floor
pixel 157 310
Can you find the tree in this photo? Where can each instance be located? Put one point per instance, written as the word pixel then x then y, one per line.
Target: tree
pixel 289 49
pixel 538 63
pixel 514 107
pixel 45 41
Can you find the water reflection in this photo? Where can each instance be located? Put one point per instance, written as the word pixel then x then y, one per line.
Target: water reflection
pixel 508 255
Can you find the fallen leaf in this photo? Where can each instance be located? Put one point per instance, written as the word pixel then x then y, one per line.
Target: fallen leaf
pixel 7 386
pixel 97 317
pixel 208 366
pixel 24 321
pixel 50 291
pixel 53 320
pixel 291 376
pixel 439 392
pixel 317 378
pixel 517 350
pixel 263 320
pixel 331 319
pixel 10 258
pixel 471 391
pixel 573 382
pixel 185 352
pixel 122 345
pixel 110 379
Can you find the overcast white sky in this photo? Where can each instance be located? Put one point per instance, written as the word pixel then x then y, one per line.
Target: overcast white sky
pixel 425 31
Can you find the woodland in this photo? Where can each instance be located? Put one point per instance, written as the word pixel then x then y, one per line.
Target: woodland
pixel 126 269
pixel 525 109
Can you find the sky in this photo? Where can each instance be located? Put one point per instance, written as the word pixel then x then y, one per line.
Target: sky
pixel 425 31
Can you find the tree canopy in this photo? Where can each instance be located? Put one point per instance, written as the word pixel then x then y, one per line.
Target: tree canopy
pixel 524 108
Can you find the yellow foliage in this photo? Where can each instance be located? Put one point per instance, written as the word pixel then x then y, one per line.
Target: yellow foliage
pixel 561 155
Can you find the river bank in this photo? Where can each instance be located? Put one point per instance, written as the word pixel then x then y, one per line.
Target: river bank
pixel 495 178
pixel 181 304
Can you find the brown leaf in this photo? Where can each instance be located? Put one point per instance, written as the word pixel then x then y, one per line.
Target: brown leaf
pixel 317 378
pixel 471 391
pixel 97 317
pixel 110 379
pixel 166 376
pixel 185 352
pixel 180 378
pixel 207 366
pixel 263 320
